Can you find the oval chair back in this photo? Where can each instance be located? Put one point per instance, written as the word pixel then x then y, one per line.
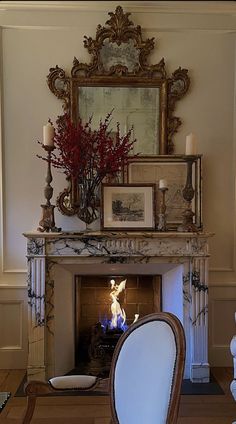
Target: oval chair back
pixel 147 371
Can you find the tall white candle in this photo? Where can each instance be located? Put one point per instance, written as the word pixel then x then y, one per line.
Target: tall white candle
pixel 162 183
pixel 48 134
pixel 191 144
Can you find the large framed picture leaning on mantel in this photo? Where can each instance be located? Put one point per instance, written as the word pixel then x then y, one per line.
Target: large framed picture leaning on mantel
pixel 173 169
pixel 128 207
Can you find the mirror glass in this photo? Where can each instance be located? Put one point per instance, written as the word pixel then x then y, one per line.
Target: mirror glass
pixel 125 54
pixel 133 107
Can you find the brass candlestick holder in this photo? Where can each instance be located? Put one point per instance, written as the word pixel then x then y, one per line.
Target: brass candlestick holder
pixel 47 222
pixel 188 195
pixel 162 214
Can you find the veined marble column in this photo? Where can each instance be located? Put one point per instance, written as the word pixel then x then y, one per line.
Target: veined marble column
pixel 200 370
pixel 40 312
pixel 36 319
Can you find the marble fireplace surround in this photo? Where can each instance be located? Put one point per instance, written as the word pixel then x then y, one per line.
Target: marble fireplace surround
pixel 55 258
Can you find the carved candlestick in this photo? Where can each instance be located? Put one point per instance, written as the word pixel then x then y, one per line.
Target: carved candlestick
pixel 162 214
pixel 188 195
pixel 47 222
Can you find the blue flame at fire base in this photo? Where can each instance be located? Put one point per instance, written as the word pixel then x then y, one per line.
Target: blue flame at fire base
pixel 107 324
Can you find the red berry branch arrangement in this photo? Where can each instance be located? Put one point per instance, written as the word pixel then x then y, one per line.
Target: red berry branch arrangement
pixel 85 153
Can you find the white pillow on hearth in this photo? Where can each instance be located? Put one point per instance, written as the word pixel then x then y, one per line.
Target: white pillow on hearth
pixel 73 382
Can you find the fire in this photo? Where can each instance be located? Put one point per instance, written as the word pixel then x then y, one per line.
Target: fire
pixel 118 314
pixel 118 320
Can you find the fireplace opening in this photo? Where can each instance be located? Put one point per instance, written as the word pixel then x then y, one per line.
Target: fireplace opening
pixel 105 307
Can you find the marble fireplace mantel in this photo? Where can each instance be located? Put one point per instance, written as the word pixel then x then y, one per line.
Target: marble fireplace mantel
pixel 185 252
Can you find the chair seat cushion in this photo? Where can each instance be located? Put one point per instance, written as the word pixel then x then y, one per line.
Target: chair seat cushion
pixel 73 382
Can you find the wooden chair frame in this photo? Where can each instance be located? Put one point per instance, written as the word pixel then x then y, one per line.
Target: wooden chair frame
pixel 34 389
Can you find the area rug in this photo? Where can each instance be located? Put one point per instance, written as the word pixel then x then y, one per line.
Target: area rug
pixel 211 388
pixel 4 396
pixel 188 388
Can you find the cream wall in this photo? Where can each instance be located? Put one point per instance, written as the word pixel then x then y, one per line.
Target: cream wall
pixel 37 35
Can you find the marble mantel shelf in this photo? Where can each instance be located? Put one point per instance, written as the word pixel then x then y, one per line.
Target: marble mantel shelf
pixel 184 288
pixel 118 234
pixel 122 244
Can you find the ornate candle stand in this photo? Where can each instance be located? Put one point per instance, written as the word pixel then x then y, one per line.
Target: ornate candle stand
pixel 188 194
pixel 47 223
pixel 162 214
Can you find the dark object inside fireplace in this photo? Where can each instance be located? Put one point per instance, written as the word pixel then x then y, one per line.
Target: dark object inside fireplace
pixel 100 349
pixel 103 342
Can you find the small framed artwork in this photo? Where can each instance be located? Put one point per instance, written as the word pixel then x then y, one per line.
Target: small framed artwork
pixel 172 168
pixel 128 207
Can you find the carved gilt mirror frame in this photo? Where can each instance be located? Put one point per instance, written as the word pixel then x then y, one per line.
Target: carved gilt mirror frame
pixel 119 78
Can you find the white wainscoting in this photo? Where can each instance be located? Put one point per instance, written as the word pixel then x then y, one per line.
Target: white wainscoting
pixel 222 308
pixel 13 327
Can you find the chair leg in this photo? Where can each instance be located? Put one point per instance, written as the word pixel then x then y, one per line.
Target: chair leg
pixel 31 402
pixel 33 389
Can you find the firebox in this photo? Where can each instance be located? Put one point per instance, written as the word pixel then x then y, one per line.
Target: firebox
pixel 105 307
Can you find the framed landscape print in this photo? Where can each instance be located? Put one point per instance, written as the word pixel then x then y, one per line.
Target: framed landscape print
pixel 128 207
pixel 174 170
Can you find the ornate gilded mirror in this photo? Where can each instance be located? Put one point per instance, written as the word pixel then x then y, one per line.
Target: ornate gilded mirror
pixel 119 78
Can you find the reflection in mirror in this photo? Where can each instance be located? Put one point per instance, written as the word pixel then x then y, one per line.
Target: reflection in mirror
pixel 60 85
pixel 125 54
pixel 136 108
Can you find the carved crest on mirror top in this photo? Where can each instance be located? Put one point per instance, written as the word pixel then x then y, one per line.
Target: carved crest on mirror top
pixel 119 54
pixel 119 58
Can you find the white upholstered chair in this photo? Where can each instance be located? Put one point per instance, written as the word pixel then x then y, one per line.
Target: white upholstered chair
pixel 147 371
pixel 145 378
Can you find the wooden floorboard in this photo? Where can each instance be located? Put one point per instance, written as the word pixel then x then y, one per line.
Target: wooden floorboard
pixel 194 409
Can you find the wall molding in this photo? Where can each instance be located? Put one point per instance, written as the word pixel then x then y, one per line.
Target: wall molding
pixel 177 7
pixel 15 286
pixel 219 351
pixel 146 29
pixel 222 269
pixel 2 186
pixel 13 271
pixel 18 346
pixel 157 16
pixel 222 285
